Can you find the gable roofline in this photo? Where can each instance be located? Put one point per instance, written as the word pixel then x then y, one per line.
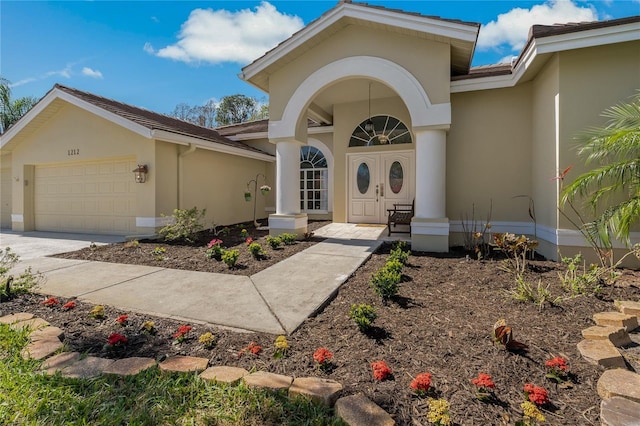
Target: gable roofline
pixel 148 124
pixel 454 29
pixel 543 41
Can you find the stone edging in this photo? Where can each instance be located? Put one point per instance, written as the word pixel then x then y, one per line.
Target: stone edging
pixel 45 342
pixel 618 387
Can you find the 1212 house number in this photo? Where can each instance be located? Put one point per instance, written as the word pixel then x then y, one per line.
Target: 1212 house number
pixel 75 151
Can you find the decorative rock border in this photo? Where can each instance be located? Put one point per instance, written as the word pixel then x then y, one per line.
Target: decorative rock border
pixel 618 387
pixel 46 344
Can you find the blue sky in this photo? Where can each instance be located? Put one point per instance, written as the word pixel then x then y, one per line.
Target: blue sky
pixel 156 54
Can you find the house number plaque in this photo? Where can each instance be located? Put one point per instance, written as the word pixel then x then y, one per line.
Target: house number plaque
pixel 75 151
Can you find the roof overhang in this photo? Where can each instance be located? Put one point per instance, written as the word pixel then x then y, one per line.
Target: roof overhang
pixel 461 36
pixel 538 51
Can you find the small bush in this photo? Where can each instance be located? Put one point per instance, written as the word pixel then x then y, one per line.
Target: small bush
pixel 385 282
pixel 525 292
pixel 11 286
pixel 288 239
pixel 230 257
pixel 517 250
pixel 394 265
pixel 214 249
pixel 363 315
pixel 578 280
pixel 274 242
pixel 186 224
pixel 256 250
pixel 400 255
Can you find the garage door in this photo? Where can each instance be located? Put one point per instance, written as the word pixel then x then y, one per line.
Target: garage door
pixel 88 197
pixel 5 197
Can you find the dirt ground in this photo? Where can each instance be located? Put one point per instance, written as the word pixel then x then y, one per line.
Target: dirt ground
pixel 441 322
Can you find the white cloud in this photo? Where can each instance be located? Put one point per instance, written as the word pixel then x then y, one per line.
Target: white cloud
pixel 91 73
pixel 222 36
pixel 507 59
pixel 148 48
pixel 512 28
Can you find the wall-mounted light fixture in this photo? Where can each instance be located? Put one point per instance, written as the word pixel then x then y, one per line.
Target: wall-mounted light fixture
pixel 140 173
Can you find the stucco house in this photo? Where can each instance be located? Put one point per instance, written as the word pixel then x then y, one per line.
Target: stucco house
pixel 369 107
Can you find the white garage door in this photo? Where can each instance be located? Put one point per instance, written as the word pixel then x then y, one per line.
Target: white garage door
pixel 5 197
pixel 88 197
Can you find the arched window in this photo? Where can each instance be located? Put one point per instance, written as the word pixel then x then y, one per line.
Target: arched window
pixel 386 130
pixel 314 182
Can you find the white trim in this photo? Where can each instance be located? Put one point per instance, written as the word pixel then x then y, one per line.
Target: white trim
pixel 208 145
pixel 574 238
pixel 421 110
pixel 265 135
pixel 328 155
pixel 429 228
pixel 17 218
pixel 153 222
pixel 413 22
pixel 547 45
pixel 291 222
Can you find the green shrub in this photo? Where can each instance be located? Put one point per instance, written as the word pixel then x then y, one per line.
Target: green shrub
pixel 214 249
pixel 244 233
pixel 230 257
pixel 385 282
pixel 400 254
pixel 363 315
pixel 525 292
pixel 256 250
pixel 517 250
pixel 288 239
pixel 274 242
pixel 10 285
pixel 186 224
pixel 394 265
pixel 579 280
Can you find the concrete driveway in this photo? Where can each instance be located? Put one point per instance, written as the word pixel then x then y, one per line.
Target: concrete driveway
pixel 31 245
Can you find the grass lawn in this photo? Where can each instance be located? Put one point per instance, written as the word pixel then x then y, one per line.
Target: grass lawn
pixel 149 398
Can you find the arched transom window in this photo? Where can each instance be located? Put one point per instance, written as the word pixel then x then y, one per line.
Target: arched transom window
pixel 381 130
pixel 314 180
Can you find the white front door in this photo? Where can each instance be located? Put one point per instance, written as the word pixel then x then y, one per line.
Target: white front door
pixel 376 182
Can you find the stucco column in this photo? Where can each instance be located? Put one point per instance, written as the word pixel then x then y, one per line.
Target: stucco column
pixel 287 217
pixel 430 226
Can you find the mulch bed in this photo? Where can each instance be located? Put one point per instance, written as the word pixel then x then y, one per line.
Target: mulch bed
pixel 191 256
pixel 440 323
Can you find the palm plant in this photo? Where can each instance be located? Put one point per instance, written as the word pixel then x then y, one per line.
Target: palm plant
pixel 12 109
pixel 615 148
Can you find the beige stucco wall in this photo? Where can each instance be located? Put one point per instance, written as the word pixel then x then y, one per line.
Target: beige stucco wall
pixel 216 182
pixel 5 190
pixel 411 53
pixel 592 80
pixel 96 138
pixel 488 157
pixel 166 183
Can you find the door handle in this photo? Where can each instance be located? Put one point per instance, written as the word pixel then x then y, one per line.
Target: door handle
pixel 377 192
pixel 382 189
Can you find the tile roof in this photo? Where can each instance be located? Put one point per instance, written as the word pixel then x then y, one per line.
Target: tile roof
pixel 258 126
pixel 155 121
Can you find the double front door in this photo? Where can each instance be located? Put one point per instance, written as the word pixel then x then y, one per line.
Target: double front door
pixel 376 182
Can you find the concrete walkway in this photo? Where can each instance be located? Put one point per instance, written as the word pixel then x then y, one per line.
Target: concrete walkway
pixel 276 300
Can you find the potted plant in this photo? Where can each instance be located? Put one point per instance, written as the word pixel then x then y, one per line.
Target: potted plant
pixel 247 196
pixel 265 189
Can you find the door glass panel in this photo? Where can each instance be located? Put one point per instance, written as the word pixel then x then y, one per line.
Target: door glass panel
pixel 363 178
pixel 396 177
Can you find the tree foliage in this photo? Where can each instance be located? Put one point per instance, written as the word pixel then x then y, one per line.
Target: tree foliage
pixel 202 115
pixel 11 110
pixel 612 188
pixel 234 109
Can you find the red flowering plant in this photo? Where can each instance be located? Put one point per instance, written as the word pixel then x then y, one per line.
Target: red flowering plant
pixel 50 302
pixel 249 240
pixel 122 319
pixel 252 347
pixel 181 335
pixel 557 369
pixel 536 394
pixel 214 249
pixel 116 340
pixel 421 383
pixel 69 305
pixel 323 357
pixel 381 370
pixel 484 387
